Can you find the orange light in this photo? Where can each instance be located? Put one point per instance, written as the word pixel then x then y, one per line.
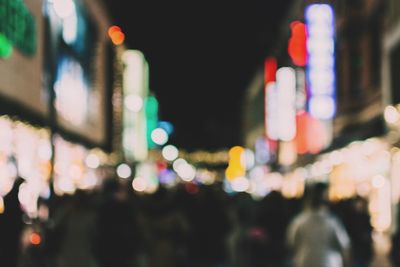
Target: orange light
pixel 116 35
pixel 112 30
pixel 35 239
pixel 118 38
pixel 302 125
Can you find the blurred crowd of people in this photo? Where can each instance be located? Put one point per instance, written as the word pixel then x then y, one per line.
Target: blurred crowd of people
pixel 190 225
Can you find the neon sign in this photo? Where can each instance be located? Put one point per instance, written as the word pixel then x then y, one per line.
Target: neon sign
pixel 17 27
pixel 321 58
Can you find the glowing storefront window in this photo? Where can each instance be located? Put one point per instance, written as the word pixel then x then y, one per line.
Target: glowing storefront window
pixel 71 92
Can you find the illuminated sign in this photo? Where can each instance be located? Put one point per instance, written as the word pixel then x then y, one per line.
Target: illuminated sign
pixel 270 67
pixel 21 56
pixel 286 87
pixel 151 108
pixel 72 92
pixel 79 50
pixel 321 53
pixel 272 119
pixel 17 27
pixel 297 48
pixel 301 92
pixel 135 90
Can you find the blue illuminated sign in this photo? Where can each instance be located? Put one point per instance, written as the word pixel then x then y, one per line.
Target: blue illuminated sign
pixel 321 61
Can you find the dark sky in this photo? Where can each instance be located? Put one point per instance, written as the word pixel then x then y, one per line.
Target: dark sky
pixel 202 55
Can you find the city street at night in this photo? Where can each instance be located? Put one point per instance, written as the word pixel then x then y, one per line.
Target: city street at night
pixel 199 133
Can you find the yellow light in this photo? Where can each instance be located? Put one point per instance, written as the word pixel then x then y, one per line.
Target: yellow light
pixel 287 153
pixel 2 207
pixel 234 171
pixel 118 38
pixel 236 165
pixel 236 152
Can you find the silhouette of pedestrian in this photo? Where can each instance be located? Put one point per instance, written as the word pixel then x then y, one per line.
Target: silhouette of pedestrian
pixel 116 238
pixel 11 227
pixel 316 238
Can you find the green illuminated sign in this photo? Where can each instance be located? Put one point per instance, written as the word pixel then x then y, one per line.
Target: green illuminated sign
pixel 18 27
pixel 5 47
pixel 151 108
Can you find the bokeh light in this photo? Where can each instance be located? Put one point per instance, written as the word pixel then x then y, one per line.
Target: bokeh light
pixel 159 136
pixel 124 171
pixel 170 152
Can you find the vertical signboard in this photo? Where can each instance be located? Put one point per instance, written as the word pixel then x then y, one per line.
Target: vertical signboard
pixel 135 91
pixel 321 60
pixel 78 44
pixel 21 55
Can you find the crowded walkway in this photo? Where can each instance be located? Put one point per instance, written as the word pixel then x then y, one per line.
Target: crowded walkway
pixel 188 225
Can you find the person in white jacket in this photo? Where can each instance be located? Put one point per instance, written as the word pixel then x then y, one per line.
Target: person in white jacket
pixel 315 237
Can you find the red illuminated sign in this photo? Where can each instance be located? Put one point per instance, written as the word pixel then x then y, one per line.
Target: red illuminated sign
pixel 270 70
pixel 297 48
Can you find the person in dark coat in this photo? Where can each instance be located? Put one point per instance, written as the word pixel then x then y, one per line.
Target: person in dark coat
pixel 11 227
pixel 116 237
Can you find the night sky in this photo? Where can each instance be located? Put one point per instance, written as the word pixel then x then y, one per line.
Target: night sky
pixel 202 55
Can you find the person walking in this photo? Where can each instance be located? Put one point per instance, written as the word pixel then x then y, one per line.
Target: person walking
pixel 315 237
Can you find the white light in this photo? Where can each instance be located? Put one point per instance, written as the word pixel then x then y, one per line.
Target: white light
pixel 6 182
pixel 45 191
pixel 286 86
pixel 272 124
pixel 187 172
pixel 178 163
pixel 71 92
pixel 70 28
pixel 159 136
pixel 124 171
pixel 322 107
pixel 64 8
pixel 336 158
pixel 240 184
pixel 92 161
pixel 66 185
pixel 139 184
pixel 44 150
pixel 378 181
pixel 170 152
pixel 133 103
pixel 321 13
pixel 321 49
pixel 391 115
pixel 322 80
pixel 248 158
pixel 257 173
